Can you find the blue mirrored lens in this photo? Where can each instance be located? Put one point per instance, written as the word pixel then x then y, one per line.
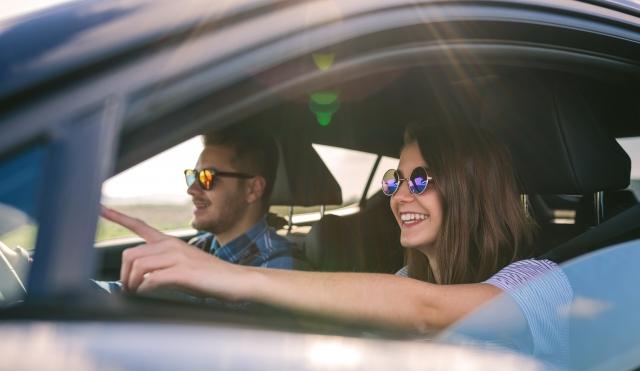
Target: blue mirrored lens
pixel 389 187
pixel 418 181
pixel 390 182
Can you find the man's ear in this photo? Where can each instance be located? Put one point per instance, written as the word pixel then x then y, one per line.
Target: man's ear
pixel 256 188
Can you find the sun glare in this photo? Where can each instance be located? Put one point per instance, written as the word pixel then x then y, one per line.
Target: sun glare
pixel 10 9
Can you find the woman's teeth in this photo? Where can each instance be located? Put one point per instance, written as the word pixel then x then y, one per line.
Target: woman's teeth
pixel 411 217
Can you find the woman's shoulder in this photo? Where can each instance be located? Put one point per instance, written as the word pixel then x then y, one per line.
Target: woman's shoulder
pixel 521 271
pixel 403 272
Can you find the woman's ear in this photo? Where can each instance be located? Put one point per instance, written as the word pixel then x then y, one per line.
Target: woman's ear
pixel 255 188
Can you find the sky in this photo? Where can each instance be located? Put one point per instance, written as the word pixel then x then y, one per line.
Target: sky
pixel 159 179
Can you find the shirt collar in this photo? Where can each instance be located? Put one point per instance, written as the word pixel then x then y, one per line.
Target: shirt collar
pixel 236 249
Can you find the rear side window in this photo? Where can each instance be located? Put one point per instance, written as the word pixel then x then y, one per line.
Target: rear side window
pixel 632 147
pixel 350 168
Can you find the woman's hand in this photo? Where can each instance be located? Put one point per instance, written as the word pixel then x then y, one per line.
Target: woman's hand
pixel 166 261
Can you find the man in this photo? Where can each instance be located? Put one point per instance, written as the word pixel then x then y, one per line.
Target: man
pixel 230 189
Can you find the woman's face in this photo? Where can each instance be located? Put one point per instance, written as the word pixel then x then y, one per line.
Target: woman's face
pixel 419 216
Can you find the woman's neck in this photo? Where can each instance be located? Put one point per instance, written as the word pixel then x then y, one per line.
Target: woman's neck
pixel 435 269
pixel 433 262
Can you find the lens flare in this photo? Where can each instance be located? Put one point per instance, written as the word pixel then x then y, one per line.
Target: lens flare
pixel 323 61
pixel 324 104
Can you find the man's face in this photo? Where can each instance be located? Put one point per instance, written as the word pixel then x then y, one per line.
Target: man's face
pixel 220 208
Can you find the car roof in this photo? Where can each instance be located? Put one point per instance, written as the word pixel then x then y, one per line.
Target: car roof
pixel 82 34
pixel 86 39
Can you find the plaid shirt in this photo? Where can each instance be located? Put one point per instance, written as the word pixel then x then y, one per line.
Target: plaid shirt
pixel 260 246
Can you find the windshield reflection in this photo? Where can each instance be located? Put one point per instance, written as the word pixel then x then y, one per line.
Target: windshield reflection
pixel 582 316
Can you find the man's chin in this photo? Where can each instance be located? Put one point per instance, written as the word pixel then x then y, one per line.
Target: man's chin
pixel 198 225
pixel 204 225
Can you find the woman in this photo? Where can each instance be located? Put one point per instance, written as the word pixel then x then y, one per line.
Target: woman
pixel 475 223
pixel 461 222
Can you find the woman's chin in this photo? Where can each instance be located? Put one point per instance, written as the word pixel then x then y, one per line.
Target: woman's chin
pixel 415 243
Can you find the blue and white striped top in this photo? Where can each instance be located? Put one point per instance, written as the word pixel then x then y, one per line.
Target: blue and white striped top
pixel 543 293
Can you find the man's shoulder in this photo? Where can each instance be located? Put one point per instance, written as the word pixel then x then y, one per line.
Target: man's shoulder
pixel 277 239
pixel 280 252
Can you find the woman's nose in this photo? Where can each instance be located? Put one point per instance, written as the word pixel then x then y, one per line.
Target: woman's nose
pixel 403 194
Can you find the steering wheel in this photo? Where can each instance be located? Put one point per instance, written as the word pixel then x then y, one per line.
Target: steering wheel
pixel 12 288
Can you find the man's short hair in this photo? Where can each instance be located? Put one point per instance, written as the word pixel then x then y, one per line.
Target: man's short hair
pixel 255 153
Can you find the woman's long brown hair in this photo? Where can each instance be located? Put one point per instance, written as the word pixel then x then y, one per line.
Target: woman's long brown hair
pixel 484 227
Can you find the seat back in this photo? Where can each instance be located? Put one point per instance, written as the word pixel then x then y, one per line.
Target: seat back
pixel 364 242
pixel 625 226
pixel 554 133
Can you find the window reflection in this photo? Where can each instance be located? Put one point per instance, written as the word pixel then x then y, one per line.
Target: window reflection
pixel 20 191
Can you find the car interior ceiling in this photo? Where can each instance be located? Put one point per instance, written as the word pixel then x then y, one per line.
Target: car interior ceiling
pixel 559 127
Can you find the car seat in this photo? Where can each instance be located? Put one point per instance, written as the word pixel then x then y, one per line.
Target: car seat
pixel 554 132
pixel 367 241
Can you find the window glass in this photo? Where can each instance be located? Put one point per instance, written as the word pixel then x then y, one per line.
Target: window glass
pixel 566 316
pixel 154 191
pixel 20 189
pixel 350 168
pixel 632 147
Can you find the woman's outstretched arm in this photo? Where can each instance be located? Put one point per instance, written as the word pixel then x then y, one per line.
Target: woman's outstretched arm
pixel 386 299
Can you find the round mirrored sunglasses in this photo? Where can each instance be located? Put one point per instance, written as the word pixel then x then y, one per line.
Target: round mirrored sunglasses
pixel 417 181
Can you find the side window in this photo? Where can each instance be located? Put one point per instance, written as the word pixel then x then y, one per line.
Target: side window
pixel 20 190
pixel 632 147
pixel 154 191
pixel 351 169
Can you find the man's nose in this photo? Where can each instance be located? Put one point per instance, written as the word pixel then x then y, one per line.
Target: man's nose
pixel 194 189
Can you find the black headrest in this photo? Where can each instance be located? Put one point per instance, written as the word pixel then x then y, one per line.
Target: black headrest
pixel 553 131
pixel 302 179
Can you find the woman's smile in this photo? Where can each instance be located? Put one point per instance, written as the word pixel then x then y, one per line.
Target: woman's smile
pixel 410 219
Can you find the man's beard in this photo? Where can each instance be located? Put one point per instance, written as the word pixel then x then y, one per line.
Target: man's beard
pixel 224 221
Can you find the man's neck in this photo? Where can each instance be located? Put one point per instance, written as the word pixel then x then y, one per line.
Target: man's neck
pixel 239 228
